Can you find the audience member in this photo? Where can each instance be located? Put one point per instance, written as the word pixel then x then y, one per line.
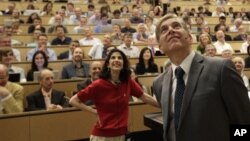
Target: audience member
pixel 237 24
pixel 222 21
pixel 11 94
pixel 47 9
pixel 39 62
pixel 127 48
pixel 95 70
pixel 58 21
pixel 89 39
pixel 227 54
pixel 36 25
pixel 242 35
pixel 75 19
pixel 68 54
pixel 127 27
pixel 31 17
pixel 82 23
pixel 95 18
pixel 240 65
pixel 7 59
pixel 61 38
pixel 136 17
pixel 99 50
pixel 141 36
pixel 62 13
pixel 42 45
pixel 77 68
pixel 210 50
pixel 146 62
pixel 117 35
pixel 221 44
pixel 244 45
pixel 102 24
pixel 204 40
pixel 46 97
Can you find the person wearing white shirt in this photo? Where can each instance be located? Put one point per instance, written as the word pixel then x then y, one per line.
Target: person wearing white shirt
pixel 99 50
pixel 237 24
pixel 240 65
pixel 219 12
pixel 82 24
pixel 75 19
pixel 88 40
pixel 244 45
pixel 127 48
pixel 7 59
pixel 221 44
pixel 65 20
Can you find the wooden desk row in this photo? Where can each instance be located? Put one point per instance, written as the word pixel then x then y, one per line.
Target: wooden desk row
pixel 212 7
pixel 66 124
pixel 70 28
pixel 57 6
pixel 58 65
pixel 236 45
pixel 27 38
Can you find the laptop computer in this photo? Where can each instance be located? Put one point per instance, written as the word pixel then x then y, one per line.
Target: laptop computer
pixel 28 12
pixel 56 75
pixel 8 22
pixel 107 29
pixel 117 21
pixel 80 30
pixel 14 77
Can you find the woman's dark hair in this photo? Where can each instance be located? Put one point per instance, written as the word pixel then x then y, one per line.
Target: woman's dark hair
pixel 30 20
pixel 141 60
pixel 45 7
pixel 248 50
pixel 125 72
pixel 33 64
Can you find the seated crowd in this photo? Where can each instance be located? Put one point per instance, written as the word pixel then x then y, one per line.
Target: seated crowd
pixel 121 35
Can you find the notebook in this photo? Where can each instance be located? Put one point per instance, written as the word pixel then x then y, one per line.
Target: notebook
pixel 14 77
pixel 56 75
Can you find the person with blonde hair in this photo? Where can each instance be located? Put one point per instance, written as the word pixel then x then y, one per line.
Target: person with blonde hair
pixel 240 65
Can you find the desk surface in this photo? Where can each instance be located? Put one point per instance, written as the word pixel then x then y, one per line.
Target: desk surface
pixel 154 121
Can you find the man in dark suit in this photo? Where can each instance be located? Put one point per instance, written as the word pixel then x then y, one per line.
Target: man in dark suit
pixel 95 70
pixel 200 96
pixel 77 68
pixel 68 54
pixel 46 97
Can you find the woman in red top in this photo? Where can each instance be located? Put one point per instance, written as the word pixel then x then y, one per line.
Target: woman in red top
pixel 110 95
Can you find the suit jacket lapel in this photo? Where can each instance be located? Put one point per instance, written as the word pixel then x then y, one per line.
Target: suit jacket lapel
pixel 53 97
pixel 165 94
pixel 193 76
pixel 41 99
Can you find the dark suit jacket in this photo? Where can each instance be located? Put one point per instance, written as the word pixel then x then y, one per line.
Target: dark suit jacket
pixel 84 84
pixel 69 71
pixel 31 29
pixel 240 37
pixel 64 55
pixel 214 98
pixel 36 101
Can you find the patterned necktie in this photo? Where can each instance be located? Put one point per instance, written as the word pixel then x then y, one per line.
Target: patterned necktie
pixel 179 92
